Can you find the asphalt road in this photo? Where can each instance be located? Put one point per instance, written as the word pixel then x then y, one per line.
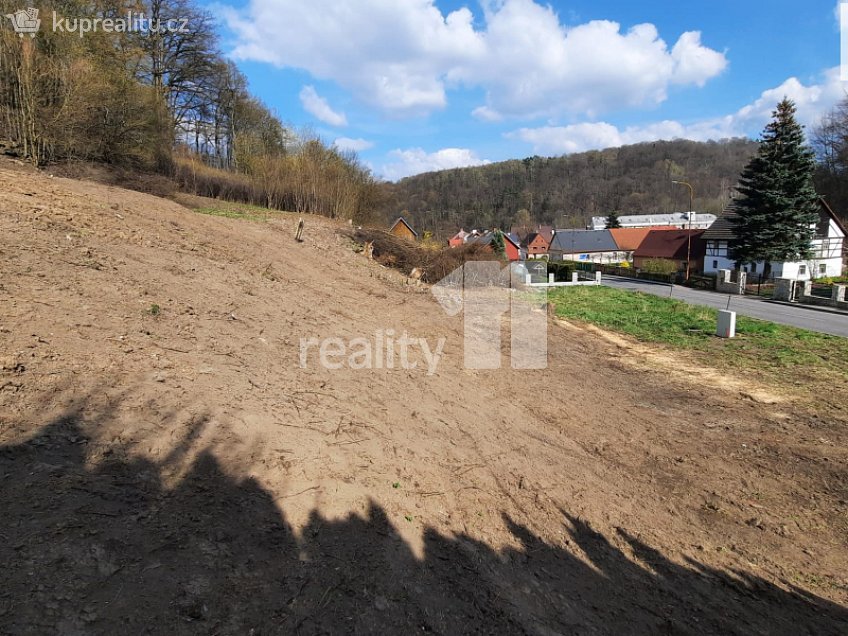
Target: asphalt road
pixel 752 306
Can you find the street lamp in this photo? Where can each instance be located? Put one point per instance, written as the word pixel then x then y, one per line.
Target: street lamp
pixel 691 214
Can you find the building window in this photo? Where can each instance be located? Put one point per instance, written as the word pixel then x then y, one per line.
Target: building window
pixel 822 269
pixel 715 264
pixel 753 268
pixel 802 270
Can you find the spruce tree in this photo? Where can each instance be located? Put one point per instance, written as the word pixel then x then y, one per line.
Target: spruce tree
pixel 498 246
pixel 612 221
pixel 778 208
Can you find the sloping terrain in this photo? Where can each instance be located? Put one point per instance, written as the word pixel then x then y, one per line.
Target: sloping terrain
pixel 169 465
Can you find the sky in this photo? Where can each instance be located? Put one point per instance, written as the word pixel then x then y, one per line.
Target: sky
pixel 420 85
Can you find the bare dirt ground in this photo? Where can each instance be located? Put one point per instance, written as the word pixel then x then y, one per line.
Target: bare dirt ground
pixel 167 466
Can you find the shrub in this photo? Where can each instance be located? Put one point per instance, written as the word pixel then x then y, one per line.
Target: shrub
pixel 659 266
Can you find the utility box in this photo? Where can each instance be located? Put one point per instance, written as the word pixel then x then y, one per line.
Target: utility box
pixel 726 324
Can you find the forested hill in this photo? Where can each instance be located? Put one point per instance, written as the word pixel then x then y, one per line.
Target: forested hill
pixel 566 191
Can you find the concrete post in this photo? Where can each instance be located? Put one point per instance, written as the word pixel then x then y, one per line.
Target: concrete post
pixel 528 279
pixel 598 278
pixel 838 294
pixel 726 327
pixel 783 289
pixel 574 277
pixel 808 288
pixel 551 279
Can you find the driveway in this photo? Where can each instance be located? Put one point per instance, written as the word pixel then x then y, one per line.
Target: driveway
pixel 751 306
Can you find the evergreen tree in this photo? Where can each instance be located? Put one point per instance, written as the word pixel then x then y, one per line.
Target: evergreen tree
pixel 612 221
pixel 778 207
pixel 498 246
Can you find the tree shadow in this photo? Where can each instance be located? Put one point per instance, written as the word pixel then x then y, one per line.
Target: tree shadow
pixel 107 548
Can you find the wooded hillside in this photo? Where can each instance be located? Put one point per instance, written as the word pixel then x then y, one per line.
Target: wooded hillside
pixel 161 96
pixel 566 191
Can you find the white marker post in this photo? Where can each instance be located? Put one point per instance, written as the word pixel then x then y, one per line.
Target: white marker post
pixel 726 324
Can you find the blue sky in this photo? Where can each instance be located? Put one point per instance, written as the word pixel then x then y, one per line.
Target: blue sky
pixel 417 85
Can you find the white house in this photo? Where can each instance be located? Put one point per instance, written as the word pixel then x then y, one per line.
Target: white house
pixel 679 220
pixel 827 249
pixel 595 246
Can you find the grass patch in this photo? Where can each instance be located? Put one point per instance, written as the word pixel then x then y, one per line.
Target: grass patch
pixel 760 345
pixel 230 210
pixel 236 214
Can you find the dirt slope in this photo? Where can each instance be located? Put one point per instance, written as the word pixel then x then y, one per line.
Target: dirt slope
pixel 168 467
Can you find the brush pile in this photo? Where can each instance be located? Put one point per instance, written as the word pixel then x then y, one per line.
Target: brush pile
pixel 432 262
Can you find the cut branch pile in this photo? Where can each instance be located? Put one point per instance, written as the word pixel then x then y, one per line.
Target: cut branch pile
pixel 406 256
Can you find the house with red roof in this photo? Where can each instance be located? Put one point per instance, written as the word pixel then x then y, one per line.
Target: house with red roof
pixel 536 246
pixel 672 245
pixel 512 249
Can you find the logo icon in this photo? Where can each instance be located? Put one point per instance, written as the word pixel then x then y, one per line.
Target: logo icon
pixel 492 297
pixel 25 22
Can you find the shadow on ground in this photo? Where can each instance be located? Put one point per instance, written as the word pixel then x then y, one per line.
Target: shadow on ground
pixel 110 550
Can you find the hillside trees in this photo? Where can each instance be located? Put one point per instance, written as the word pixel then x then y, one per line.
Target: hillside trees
pixel 566 191
pixel 167 100
pixel 830 142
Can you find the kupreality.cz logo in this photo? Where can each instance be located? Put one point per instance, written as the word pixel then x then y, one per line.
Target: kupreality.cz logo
pixel 27 22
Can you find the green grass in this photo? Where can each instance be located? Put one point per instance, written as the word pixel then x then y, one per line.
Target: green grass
pixel 237 211
pixel 761 345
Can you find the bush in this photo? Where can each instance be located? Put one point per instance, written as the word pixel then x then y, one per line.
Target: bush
pixel 561 271
pixel 659 266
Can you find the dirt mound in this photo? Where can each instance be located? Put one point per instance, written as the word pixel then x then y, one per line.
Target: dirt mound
pixel 172 463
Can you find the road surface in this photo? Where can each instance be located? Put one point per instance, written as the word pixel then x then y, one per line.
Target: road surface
pixel 751 306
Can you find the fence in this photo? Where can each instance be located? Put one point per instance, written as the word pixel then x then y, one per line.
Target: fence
pixel 758 285
pixel 821 290
pixel 629 272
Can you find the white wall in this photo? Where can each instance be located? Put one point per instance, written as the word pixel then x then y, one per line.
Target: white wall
pixel 590 257
pixel 812 267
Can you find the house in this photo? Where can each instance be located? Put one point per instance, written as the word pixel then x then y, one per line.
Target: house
pixel 403 229
pixel 522 250
pixel 523 231
pixel 512 249
pixel 827 246
pixel 595 246
pixel 672 245
pixel 679 220
pixel 458 239
pixel 536 246
pixel 630 238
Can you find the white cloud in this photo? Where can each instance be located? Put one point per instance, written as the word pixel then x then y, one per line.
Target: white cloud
pixel 812 100
pixel 484 113
pixel 356 145
pixel 694 63
pixel 403 57
pixel 416 160
pixel 318 107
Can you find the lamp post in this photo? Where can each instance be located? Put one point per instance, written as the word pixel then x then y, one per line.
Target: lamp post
pixel 691 213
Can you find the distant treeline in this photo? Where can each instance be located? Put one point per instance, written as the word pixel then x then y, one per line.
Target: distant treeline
pixel 166 101
pixel 567 191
